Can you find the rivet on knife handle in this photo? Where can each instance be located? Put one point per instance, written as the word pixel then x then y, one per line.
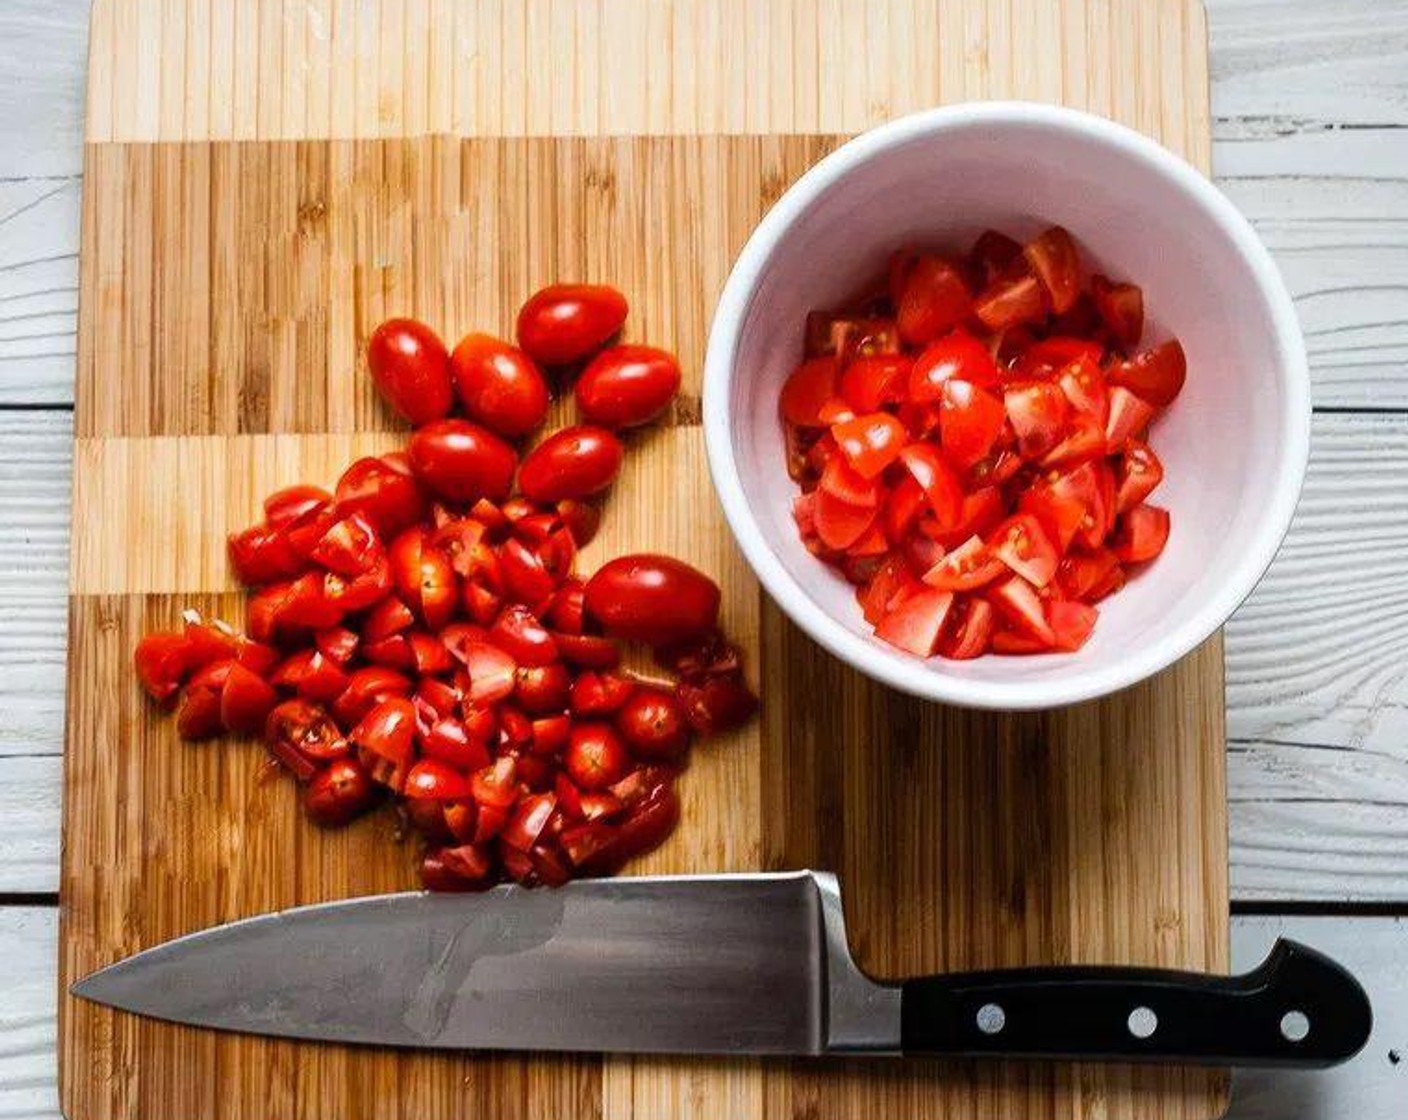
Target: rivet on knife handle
pixel 1297 1008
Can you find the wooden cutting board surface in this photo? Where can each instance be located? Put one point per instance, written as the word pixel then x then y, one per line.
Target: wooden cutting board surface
pixel 268 179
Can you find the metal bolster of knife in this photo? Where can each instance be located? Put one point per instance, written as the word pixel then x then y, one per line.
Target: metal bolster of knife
pixel 1297 1008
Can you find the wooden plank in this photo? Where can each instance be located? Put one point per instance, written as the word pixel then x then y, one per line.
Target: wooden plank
pixel 1372 1085
pixel 42 55
pixel 29 824
pixel 35 482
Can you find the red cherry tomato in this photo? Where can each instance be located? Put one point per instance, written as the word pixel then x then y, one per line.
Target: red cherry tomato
pixel 717 703
pixel 385 741
pixel 463 462
pixel 542 689
pixel 575 462
pixel 810 386
pixel 654 726
pixel 627 385
pixel 970 420
pixel 499 386
pixel 653 599
pixel 1022 544
pixel 163 661
pixel 338 794
pixel 303 737
pixel 595 756
pixel 1011 303
pixel 1121 308
pixel 566 323
pixel 1140 534
pixel 411 368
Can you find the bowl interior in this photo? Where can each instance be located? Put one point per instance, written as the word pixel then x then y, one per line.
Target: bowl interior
pixel 1223 443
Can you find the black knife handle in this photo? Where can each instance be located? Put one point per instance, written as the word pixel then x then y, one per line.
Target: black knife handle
pixel 1298 1008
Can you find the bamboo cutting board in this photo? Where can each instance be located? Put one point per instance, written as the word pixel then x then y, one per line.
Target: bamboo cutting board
pixel 266 180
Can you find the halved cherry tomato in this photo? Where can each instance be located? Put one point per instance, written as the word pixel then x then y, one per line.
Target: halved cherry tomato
pixel 565 323
pixel 409 364
pixel 462 461
pixel 293 503
pixel 499 385
pixel 627 385
pixel 574 462
pixel 1140 534
pixel 425 582
pixel 518 632
pixel 261 554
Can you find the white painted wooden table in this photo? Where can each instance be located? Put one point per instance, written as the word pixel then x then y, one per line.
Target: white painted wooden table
pixel 1310 100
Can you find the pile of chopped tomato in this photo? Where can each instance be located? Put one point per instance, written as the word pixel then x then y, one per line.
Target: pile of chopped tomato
pixel 419 633
pixel 972 446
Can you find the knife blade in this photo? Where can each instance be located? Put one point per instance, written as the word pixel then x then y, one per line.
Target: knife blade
pixel 717 964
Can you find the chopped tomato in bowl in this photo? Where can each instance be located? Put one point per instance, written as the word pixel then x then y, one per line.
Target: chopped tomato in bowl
pixel 1037 425
pixel 1006 406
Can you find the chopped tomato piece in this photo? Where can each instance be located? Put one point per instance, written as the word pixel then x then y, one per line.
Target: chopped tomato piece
pixel 915 623
pixel 1010 303
pixel 811 385
pixel 1129 416
pixel 1038 411
pixel 840 524
pixel 1085 439
pixel 956 355
pixel 848 485
pixel 1017 601
pixel 871 442
pixel 1140 473
pixel 942 488
pixel 971 565
pixel 1140 534
pixel 1060 515
pixel 1081 572
pixel 1071 623
pixel 1156 374
pixel 968 631
pixel 1084 386
pixel 1046 357
pixel 872 381
pixel 993 253
pixel 1053 258
pixel 970 420
pixel 1121 309
pixel 1022 544
pixel 933 298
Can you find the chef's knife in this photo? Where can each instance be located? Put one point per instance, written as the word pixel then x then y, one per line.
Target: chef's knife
pixel 727 964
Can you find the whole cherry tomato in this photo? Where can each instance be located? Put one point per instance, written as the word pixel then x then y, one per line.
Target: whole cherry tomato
pixel 499 385
pixel 565 323
pixel 653 723
pixel 575 462
pixel 654 599
pixel 540 689
pixel 411 368
pixel 627 385
pixel 462 461
pixel 339 793
pixel 595 757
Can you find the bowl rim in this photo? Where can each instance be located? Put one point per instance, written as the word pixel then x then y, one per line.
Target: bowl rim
pixel 920 677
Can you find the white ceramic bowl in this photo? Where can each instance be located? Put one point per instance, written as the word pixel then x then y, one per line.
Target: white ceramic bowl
pixel 1234 444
